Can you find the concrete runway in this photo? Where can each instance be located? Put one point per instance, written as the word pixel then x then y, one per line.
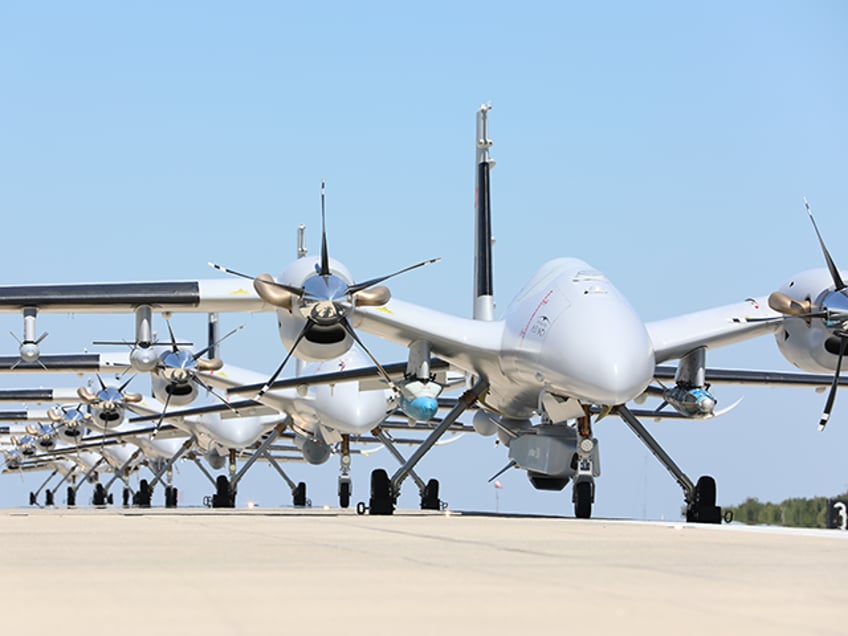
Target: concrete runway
pixel 275 571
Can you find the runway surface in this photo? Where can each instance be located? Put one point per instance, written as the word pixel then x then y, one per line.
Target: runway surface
pixel 275 571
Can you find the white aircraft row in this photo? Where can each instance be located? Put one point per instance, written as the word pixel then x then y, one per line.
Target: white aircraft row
pixel 568 350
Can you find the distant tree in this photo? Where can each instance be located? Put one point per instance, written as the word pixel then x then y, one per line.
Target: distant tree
pixel 796 512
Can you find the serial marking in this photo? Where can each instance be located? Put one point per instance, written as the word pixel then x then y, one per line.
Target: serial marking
pixel 541 304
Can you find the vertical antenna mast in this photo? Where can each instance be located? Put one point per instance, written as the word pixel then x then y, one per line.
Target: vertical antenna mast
pixel 484 301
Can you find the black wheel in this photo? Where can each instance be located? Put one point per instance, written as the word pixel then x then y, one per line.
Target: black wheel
pixel 144 494
pixel 72 497
pixel 170 497
pixel 299 495
pixel 702 509
pixel 583 500
pixel 48 498
pixel 223 498
pixel 705 491
pixel 382 502
pixel 430 496
pixel 99 497
pixel 110 499
pixel 33 500
pixel 344 493
pixel 126 497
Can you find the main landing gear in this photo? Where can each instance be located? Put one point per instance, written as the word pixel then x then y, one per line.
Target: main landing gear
pixel 701 497
pixel 384 491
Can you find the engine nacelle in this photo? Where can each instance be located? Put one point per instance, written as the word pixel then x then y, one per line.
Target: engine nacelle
pixel 13 459
pixel 27 445
pixel 808 343
pixel 180 393
pixel 321 342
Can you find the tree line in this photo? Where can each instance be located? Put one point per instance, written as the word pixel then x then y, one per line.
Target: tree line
pixel 795 512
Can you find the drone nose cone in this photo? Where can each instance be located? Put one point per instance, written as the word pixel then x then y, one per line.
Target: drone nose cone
pixel 606 356
pixel 623 379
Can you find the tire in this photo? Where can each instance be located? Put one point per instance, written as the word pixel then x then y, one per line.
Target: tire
pixel 48 498
pixel 170 497
pixel 299 495
pixel 144 494
pixel 381 502
pixel 72 497
pixel 33 500
pixel 705 492
pixel 223 498
pixel 703 508
pixel 430 497
pixel 126 498
pixel 99 498
pixel 344 494
pixel 583 500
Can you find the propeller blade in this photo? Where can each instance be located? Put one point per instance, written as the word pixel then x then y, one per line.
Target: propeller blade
pixel 200 353
pixel 297 291
pixel 349 328
pixel 11 333
pixel 161 418
pixel 174 347
pixel 352 289
pixel 833 387
pixel 216 394
pixel 41 337
pixel 834 272
pixel 325 254
pixel 279 370
pixel 100 380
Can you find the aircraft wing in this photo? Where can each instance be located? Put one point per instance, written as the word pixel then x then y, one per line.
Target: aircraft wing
pixel 717 327
pixel 394 370
pixel 759 378
pixel 245 408
pixel 467 343
pixel 202 296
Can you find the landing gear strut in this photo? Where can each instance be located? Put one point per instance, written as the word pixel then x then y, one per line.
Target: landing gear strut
pixel 345 487
pixel 700 498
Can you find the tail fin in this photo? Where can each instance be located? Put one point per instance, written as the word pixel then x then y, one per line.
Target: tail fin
pixel 483 288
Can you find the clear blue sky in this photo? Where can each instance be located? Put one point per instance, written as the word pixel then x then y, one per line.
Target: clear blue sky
pixel 667 144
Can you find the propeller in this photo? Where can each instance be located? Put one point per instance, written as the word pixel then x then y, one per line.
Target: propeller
pixel 71 421
pixel 325 300
pixel 180 367
pixel 833 309
pixel 109 402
